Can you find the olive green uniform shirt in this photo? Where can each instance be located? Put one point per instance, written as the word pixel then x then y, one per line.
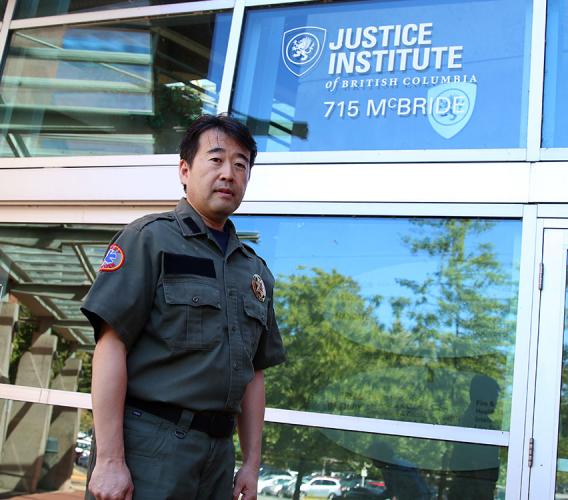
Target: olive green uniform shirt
pixel 193 325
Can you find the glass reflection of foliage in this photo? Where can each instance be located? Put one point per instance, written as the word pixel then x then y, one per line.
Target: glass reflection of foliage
pixel 562 476
pixel 22 339
pixel 26 326
pixel 176 107
pixel 455 323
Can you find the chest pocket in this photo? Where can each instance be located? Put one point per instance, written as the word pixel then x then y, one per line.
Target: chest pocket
pixel 194 318
pixel 256 314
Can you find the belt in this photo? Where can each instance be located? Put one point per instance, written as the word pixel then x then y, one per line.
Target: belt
pixel 215 423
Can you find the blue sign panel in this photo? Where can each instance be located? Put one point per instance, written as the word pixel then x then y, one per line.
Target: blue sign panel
pixel 389 75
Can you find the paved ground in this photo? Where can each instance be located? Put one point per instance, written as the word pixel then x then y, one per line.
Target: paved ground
pixel 78 481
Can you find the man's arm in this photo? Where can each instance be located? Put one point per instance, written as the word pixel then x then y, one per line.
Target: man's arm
pixel 249 426
pixel 110 479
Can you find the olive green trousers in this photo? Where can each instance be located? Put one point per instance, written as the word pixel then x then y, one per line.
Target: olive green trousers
pixel 172 461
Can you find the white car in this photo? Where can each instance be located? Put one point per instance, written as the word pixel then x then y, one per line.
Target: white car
pixel 322 487
pixel 268 481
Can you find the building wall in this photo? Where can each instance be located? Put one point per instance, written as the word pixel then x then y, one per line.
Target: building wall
pixel 423 252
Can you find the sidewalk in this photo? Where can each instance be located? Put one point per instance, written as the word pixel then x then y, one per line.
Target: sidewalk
pixel 55 495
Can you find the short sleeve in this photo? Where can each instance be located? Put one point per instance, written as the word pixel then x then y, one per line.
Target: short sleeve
pixel 270 351
pixel 123 292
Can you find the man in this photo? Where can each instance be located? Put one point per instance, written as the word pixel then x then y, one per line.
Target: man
pixel 402 479
pixel 184 323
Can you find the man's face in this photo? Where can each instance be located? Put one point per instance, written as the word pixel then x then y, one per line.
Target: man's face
pixel 217 178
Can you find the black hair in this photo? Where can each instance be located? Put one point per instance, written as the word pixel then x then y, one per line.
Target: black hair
pixel 233 128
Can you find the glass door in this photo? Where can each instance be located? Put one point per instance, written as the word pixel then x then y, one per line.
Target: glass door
pixel 549 472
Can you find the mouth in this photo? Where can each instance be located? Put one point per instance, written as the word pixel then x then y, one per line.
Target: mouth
pixel 225 192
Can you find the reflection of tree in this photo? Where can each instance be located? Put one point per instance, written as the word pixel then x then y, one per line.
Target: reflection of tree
pixel 452 324
pixel 562 477
pixel 313 310
pixel 175 107
pixel 462 315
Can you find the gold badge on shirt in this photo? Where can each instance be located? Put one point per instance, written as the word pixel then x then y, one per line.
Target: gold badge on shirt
pixel 258 287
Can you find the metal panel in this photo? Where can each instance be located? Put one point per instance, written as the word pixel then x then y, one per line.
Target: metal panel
pixel 394 156
pixel 536 81
pixel 231 57
pixel 548 182
pixel 360 424
pixel 436 183
pixel 523 370
pixel 5 28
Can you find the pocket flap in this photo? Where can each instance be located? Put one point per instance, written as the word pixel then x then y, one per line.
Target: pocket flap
pixel 192 293
pixel 255 309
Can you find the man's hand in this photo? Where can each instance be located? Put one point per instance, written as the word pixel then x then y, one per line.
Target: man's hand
pixel 111 480
pixel 246 481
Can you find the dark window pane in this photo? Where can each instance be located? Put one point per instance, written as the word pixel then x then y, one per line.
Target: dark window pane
pixel 363 466
pixel 35 8
pixel 117 88
pixel 422 74
pixel 394 318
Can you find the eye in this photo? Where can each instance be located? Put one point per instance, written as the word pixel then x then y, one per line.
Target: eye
pixel 241 166
pixel 215 159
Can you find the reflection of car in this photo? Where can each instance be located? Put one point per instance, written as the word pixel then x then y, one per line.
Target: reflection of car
pixel 325 487
pixel 83 460
pixel 288 489
pixel 367 492
pixel 82 449
pixel 268 481
pixel 276 488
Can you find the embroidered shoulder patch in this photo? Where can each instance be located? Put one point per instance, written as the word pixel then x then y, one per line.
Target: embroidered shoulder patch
pixel 114 259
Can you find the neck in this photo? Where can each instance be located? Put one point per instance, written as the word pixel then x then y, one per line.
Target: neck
pixel 219 225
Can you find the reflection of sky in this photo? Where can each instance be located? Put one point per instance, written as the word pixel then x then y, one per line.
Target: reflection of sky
pixel 370 250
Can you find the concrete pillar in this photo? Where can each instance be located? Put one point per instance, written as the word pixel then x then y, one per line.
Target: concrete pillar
pixel 58 465
pixel 8 318
pixel 26 436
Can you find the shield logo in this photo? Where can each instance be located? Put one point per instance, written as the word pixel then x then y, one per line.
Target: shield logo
pixel 302 48
pixel 451 106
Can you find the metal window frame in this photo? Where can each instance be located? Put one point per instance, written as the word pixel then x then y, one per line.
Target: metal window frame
pixel 291 417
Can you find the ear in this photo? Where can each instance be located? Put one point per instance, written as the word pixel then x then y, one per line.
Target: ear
pixel 183 172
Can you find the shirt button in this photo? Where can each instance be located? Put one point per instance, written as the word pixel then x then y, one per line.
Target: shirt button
pixel 195 299
pixel 235 365
pixel 233 328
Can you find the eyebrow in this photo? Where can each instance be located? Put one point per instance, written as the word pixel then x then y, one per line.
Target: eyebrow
pixel 223 150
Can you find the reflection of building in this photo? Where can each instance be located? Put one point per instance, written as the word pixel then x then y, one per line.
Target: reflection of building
pixel 401 165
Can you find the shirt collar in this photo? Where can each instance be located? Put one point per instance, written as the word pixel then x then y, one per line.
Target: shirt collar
pixel 191 224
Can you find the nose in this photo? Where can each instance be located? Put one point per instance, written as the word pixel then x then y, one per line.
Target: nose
pixel 226 171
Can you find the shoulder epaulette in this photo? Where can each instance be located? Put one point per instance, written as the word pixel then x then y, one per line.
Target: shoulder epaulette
pixel 144 221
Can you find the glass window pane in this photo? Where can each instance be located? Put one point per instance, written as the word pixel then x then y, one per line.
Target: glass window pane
pixel 422 74
pixel 562 460
pixel 58 436
pixel 394 318
pixel 34 8
pixel 555 121
pixel 45 271
pixel 115 88
pixel 323 463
